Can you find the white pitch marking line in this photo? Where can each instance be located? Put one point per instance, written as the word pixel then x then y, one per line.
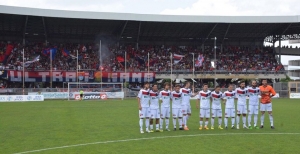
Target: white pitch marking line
pixel 150 138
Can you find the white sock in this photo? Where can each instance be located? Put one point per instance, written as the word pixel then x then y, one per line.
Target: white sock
pixel 226 121
pixel 249 119
pixel 187 117
pixel 161 122
pixel 174 123
pixel 262 118
pixel 141 124
pixel 212 122
pixel 244 120
pixel 237 120
pixel 180 123
pixel 255 120
pixel 147 124
pixel 271 119
pixel 157 126
pixel 206 123
pixel 232 121
pixel 167 123
pixel 220 121
pixel 201 123
pixel 151 127
pixel 184 120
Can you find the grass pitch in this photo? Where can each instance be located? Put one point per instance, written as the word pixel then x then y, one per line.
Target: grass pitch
pixel 111 126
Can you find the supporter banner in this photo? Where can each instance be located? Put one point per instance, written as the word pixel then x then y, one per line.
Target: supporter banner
pixel 63 76
pixel 96 95
pixel 3 74
pixel 21 98
pixel 294 95
pixel 51 95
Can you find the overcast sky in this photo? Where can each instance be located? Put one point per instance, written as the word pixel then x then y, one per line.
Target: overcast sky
pixel 172 7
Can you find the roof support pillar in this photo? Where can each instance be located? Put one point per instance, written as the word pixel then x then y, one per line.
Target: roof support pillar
pixel 209 34
pixel 273 41
pixel 45 31
pixel 226 32
pixel 24 31
pixel 280 49
pixel 138 37
pixel 123 29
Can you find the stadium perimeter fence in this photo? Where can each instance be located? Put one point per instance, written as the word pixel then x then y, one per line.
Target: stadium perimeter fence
pixel 282 88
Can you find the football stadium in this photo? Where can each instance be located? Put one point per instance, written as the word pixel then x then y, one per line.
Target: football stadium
pixel 95 82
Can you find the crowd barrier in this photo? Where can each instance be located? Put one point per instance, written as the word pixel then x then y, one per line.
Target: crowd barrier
pixel 21 98
pixel 76 95
pixel 295 95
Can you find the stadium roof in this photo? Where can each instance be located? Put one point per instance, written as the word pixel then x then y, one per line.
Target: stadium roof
pixel 59 24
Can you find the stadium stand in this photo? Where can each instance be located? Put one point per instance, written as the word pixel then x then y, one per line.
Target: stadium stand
pixel 230 59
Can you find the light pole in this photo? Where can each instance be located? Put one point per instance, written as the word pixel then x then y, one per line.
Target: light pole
pixel 171 57
pixel 148 65
pixel 77 77
pixel 193 69
pixel 23 71
pixel 215 60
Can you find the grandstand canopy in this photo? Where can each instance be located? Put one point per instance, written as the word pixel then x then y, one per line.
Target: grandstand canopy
pixel 57 25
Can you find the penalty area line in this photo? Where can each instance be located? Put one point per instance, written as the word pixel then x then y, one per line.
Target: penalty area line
pixel 151 138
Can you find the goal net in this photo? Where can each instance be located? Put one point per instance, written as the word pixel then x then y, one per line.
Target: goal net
pixel 95 91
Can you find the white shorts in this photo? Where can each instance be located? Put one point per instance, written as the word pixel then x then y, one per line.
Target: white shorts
pixel 177 113
pixel 165 112
pixel 145 112
pixel 229 113
pixel 253 109
pixel 204 113
pixel 216 113
pixel 241 109
pixel 186 109
pixel 155 114
pixel 266 107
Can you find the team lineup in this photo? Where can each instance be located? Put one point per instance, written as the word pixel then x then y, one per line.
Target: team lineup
pixel 155 106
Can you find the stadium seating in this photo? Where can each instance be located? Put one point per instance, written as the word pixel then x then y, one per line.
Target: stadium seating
pixel 230 59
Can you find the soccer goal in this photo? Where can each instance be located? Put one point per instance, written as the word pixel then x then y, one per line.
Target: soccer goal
pixel 95 91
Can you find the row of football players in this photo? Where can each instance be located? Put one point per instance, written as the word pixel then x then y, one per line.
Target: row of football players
pixel 181 108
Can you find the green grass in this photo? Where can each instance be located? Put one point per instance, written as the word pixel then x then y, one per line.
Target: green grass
pixel 39 125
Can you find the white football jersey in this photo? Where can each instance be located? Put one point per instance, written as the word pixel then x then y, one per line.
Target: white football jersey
pixel 176 100
pixel 253 93
pixel 186 96
pixel 241 95
pixel 204 98
pixel 229 96
pixel 144 97
pixel 154 100
pixel 165 97
pixel 216 100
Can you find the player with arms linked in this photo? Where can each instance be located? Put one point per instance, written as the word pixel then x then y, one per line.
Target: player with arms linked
pixel 253 93
pixel 143 104
pixel 165 96
pixel 229 95
pixel 216 98
pixel 241 94
pixel 176 107
pixel 186 105
pixel 154 108
pixel 204 98
pixel 267 92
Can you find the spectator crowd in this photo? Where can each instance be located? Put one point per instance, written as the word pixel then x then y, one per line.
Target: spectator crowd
pixel 113 58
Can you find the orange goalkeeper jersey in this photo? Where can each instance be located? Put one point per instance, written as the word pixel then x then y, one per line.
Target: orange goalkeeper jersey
pixel 266 92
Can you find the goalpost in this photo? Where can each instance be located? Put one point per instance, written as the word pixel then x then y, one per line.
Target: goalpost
pixel 95 91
